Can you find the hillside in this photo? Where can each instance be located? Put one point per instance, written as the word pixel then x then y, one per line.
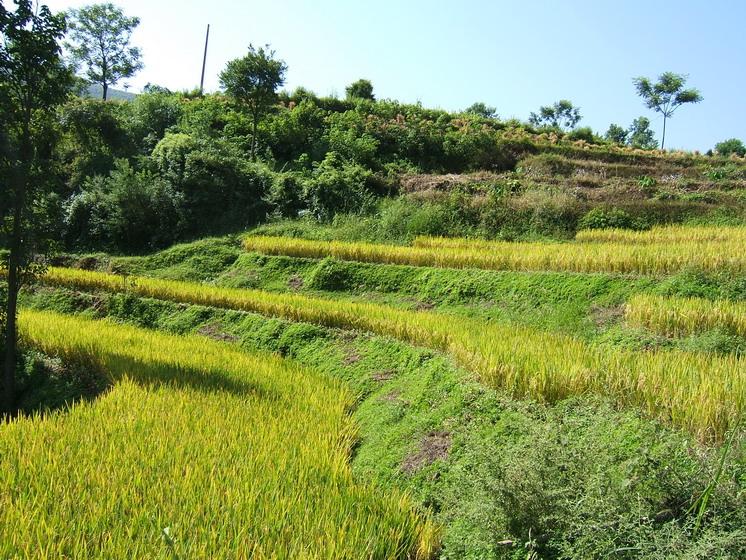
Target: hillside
pixel 395 333
pixel 94 91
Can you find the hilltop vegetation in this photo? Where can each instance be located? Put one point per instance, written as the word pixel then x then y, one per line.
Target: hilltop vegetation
pixel 167 166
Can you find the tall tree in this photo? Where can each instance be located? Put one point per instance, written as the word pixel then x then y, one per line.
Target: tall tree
pixel 100 41
pixel 562 114
pixel 33 80
pixel 666 95
pixel 361 89
pixel 253 80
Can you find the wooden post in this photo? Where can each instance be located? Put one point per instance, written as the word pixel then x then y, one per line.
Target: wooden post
pixel 204 61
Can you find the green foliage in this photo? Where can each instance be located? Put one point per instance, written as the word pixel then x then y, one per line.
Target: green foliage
pixel 731 146
pixel 641 136
pixel 648 185
pixel 339 186
pixel 584 133
pixel 286 194
pixel 94 135
pixel 361 89
pixel 563 115
pixel 253 81
pixel 482 110
pixel 616 134
pixel 128 210
pixel 218 190
pixel 100 41
pixel 603 218
pixel 151 115
pixel 666 95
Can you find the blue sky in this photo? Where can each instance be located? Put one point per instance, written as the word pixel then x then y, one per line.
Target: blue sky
pixel 513 55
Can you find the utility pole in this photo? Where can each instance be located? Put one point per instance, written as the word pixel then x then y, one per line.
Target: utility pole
pixel 204 61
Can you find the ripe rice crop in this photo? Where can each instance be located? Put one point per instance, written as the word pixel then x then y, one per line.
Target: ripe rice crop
pixel 674 316
pixel 665 234
pixel 660 258
pixel 198 450
pixel 702 393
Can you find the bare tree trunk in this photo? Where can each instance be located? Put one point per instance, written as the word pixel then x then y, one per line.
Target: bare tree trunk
pixel 253 137
pixel 105 89
pixel 20 179
pixel 11 331
pixel 663 140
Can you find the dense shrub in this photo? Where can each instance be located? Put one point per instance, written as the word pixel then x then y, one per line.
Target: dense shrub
pixel 339 186
pixel 151 116
pixel 126 211
pixel 286 194
pixel 219 190
pixel 94 134
pixel 731 146
pixel 602 218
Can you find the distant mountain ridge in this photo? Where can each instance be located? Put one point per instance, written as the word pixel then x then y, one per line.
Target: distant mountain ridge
pixel 96 91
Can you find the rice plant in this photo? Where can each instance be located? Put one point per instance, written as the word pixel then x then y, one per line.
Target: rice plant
pixel 675 316
pixel 622 258
pixel 702 393
pixel 665 234
pixel 199 450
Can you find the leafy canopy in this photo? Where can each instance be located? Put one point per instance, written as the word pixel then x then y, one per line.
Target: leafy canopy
pixel 100 41
pixel 667 94
pixel 254 78
pixel 361 89
pixel 641 135
pixel 482 110
pixel 731 146
pixel 563 115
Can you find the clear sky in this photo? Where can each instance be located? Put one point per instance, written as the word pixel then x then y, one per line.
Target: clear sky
pixel 515 55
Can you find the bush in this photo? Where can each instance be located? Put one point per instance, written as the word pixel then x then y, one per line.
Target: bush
pixel 731 146
pixel 586 134
pixel 286 194
pixel 603 218
pixel 127 211
pixel 339 186
pixel 219 190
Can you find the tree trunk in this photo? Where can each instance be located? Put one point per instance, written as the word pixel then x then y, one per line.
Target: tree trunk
pixel 14 271
pixel 253 137
pixel 11 331
pixel 105 89
pixel 663 140
pixel 11 341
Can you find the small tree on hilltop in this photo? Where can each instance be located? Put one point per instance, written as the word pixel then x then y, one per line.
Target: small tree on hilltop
pixel 729 147
pixel 482 110
pixel 100 40
pixel 563 115
pixel 666 95
pixel 33 81
pixel 616 134
pixel 253 80
pixel 361 89
pixel 641 135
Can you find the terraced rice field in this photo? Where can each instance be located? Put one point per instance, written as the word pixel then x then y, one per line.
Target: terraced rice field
pixel 703 393
pixel 197 451
pixel 665 234
pixel 656 258
pixel 676 316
